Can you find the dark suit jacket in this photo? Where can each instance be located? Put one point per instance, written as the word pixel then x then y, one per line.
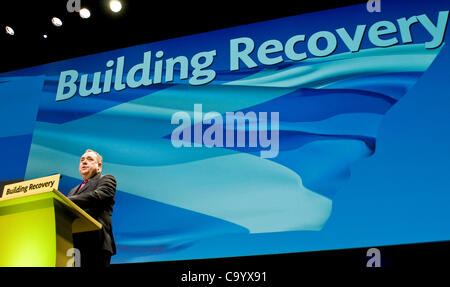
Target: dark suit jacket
pixel 97 199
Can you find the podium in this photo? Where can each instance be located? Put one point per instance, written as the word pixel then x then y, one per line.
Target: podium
pixel 37 223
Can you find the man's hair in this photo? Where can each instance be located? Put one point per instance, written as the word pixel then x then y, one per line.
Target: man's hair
pixel 99 157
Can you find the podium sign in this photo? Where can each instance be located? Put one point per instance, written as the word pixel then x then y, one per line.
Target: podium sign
pixel 37 223
pixel 34 186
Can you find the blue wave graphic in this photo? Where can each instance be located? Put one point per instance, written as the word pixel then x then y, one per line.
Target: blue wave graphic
pixel 18 109
pixel 330 110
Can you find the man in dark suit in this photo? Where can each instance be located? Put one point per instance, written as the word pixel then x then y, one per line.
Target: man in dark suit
pixel 95 195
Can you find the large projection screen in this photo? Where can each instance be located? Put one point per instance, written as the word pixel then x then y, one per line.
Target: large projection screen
pixel 321 131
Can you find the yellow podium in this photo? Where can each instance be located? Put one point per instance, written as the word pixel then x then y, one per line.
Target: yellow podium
pixel 37 222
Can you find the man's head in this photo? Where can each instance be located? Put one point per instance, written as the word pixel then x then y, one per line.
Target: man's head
pixel 90 164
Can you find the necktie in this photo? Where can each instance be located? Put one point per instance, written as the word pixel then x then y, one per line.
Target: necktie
pixel 83 184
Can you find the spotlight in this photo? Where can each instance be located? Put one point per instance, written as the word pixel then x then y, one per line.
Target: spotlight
pixel 57 22
pixel 9 30
pixel 115 5
pixel 45 36
pixel 85 13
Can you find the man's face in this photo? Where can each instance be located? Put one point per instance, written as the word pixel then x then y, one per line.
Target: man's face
pixel 89 166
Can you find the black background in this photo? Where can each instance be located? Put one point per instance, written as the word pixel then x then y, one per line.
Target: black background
pixel 139 22
pixel 148 21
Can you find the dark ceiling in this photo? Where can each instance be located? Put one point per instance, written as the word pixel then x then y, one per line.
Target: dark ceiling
pixel 139 22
